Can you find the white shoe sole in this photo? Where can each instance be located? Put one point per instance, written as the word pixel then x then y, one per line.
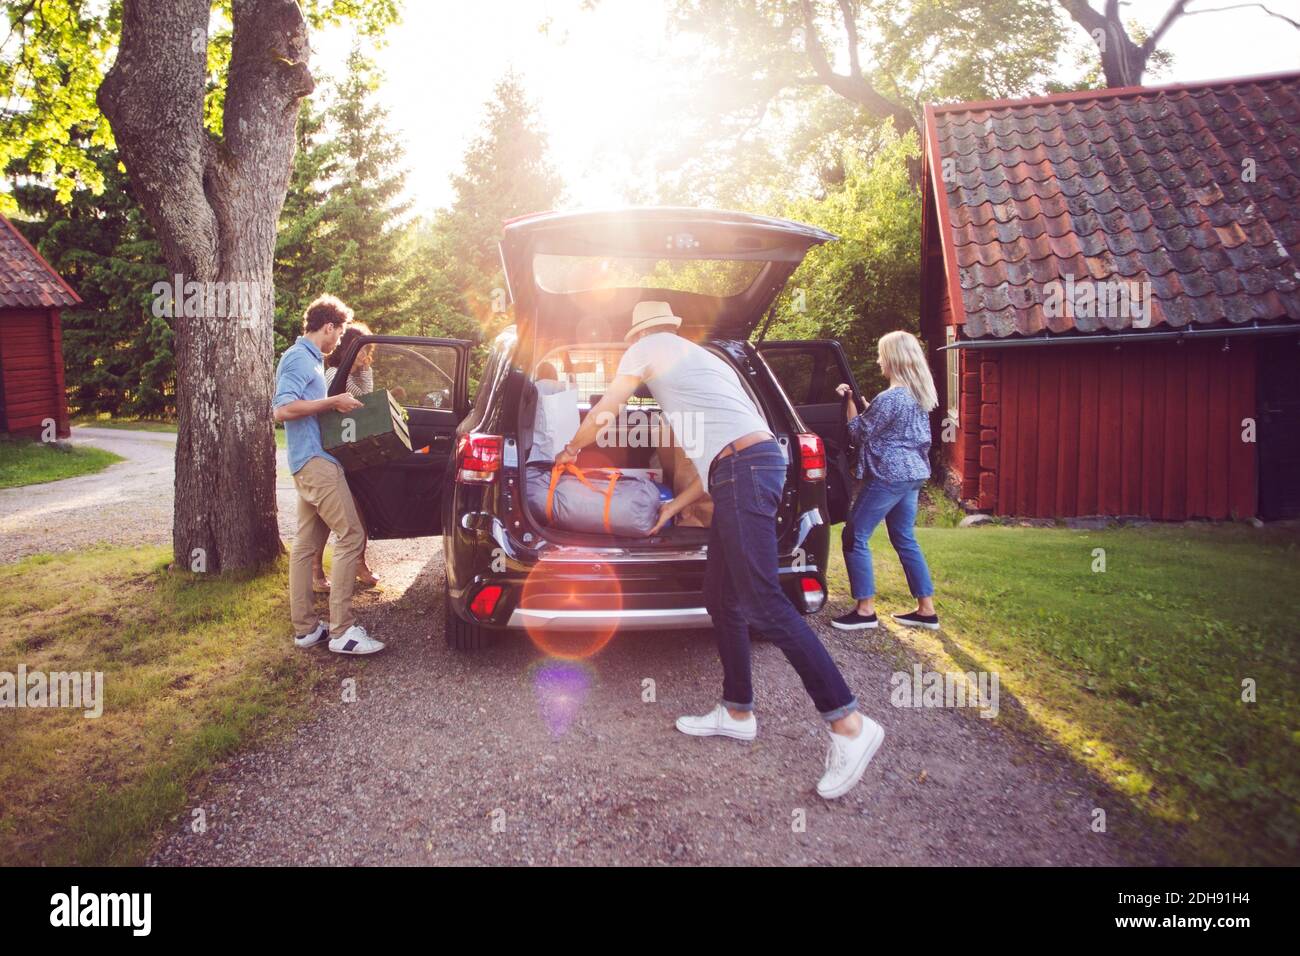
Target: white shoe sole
pixel 361 650
pixel 928 627
pixel 861 768
pixel 303 642
pixel 716 732
pixel 855 627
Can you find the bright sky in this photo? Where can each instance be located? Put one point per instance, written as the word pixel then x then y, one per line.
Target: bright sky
pixel 595 76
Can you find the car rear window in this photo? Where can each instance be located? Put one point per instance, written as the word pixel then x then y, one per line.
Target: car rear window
pixel 716 277
pixel 590 368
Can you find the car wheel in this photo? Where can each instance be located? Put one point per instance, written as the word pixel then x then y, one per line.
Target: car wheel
pixel 461 635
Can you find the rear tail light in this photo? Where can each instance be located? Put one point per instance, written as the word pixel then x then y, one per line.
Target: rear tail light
pixel 485 602
pixel 812 457
pixel 478 458
pixel 814 596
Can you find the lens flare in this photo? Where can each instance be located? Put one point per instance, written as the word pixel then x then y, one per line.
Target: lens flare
pixel 561 688
pixel 597 590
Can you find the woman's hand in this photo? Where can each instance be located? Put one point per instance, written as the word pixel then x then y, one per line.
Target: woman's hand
pixel 850 406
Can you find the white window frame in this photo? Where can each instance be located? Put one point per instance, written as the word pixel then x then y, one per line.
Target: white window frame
pixel 952 358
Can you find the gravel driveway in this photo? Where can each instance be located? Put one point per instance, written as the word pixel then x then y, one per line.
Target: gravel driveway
pixel 128 503
pixel 508 757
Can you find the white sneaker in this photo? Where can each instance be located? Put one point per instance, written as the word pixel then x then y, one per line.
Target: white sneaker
pixel 719 723
pixel 315 637
pixel 355 640
pixel 848 758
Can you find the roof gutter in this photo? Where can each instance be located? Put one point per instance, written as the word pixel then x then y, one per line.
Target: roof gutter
pixel 1287 328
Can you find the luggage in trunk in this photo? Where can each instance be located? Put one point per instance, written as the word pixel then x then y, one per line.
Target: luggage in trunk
pixel 370 435
pixel 555 419
pixel 699 513
pixel 603 501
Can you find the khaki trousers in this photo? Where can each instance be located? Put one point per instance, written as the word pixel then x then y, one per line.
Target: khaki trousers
pixel 324 504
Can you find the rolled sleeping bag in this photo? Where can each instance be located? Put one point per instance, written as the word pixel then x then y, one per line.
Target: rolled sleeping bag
pixel 600 501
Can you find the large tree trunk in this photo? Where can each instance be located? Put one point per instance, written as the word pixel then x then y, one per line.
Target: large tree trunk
pixel 215 204
pixel 1122 61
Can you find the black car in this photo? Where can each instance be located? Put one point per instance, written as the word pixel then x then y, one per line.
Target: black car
pixel 574 279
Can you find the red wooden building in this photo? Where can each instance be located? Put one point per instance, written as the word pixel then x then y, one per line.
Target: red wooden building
pixel 31 347
pixel 1111 298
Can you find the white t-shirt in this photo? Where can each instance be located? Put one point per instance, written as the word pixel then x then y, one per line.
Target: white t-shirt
pixel 362 383
pixel 699 395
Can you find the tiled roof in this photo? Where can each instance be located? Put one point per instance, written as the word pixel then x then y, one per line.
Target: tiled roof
pixel 26 279
pixel 1136 185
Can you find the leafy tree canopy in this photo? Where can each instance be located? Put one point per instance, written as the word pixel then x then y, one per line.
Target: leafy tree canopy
pixel 53 57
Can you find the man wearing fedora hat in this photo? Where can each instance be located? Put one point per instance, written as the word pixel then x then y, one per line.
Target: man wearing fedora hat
pixel 734 451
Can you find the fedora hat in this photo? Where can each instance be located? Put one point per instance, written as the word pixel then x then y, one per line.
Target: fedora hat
pixel 648 314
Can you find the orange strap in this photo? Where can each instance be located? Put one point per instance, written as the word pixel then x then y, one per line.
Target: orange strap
pixel 609 496
pixel 558 470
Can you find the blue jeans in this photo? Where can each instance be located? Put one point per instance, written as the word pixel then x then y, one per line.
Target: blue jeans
pixel 895 502
pixel 742 588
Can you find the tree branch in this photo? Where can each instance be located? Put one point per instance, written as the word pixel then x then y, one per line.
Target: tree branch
pixel 1084 15
pixel 852 87
pixel 851 30
pixel 1241 6
pixel 1173 13
pixel 1122 60
pixel 162 139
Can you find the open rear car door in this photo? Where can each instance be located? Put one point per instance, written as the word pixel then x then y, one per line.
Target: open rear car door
pixel 809 371
pixel 574 277
pixel 429 379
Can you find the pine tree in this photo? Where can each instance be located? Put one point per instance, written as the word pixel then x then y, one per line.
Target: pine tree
pixel 365 208
pixel 306 253
pixel 506 173
pixel 437 306
pixel 343 229
pixel 117 355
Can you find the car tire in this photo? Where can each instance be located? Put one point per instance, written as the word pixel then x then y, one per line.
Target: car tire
pixel 460 634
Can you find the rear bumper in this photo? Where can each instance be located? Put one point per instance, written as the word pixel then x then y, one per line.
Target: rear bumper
pixel 577 589
pixel 675 619
pixel 581 602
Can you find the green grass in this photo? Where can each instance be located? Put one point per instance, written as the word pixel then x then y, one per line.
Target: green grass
pixel 25 462
pixel 937 510
pixel 147 425
pixel 1137 671
pixel 193 669
pixel 129 424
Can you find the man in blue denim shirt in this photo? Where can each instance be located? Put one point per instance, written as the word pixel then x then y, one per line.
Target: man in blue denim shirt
pixel 324 499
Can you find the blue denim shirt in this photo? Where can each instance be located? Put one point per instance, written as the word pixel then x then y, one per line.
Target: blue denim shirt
pixel 301 375
pixel 891 438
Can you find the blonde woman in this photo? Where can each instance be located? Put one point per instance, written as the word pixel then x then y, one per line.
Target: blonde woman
pixel 892 438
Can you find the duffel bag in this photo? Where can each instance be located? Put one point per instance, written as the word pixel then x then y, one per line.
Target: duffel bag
pixel 601 501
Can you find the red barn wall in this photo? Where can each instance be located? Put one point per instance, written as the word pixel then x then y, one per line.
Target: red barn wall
pixel 981 387
pixel 31 368
pixel 1147 429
